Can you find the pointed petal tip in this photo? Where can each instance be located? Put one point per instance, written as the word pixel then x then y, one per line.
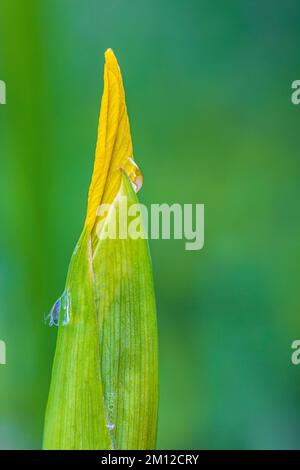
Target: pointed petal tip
pixel 108 52
pixel 110 57
pixel 111 63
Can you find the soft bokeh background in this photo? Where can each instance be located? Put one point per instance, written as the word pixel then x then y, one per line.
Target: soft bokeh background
pixel 208 89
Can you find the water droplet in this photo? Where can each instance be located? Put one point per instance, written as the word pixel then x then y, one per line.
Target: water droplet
pixel 135 174
pixel 61 310
pixel 54 314
pixel 76 249
pixel 66 306
pixel 110 426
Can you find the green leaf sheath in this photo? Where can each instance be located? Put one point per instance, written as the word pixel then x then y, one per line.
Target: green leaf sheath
pixel 104 387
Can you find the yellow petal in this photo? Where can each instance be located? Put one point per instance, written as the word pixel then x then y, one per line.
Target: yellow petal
pixel 114 145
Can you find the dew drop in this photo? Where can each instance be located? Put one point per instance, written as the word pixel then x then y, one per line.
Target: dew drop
pixel 53 316
pixel 135 174
pixel 66 306
pixel 61 311
pixel 76 249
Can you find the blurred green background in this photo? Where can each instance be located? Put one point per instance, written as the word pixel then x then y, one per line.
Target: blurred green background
pixel 208 88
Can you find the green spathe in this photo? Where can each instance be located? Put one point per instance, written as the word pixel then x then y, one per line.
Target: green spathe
pixel 104 387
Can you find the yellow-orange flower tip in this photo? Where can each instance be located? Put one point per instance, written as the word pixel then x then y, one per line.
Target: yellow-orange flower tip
pixel 114 145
